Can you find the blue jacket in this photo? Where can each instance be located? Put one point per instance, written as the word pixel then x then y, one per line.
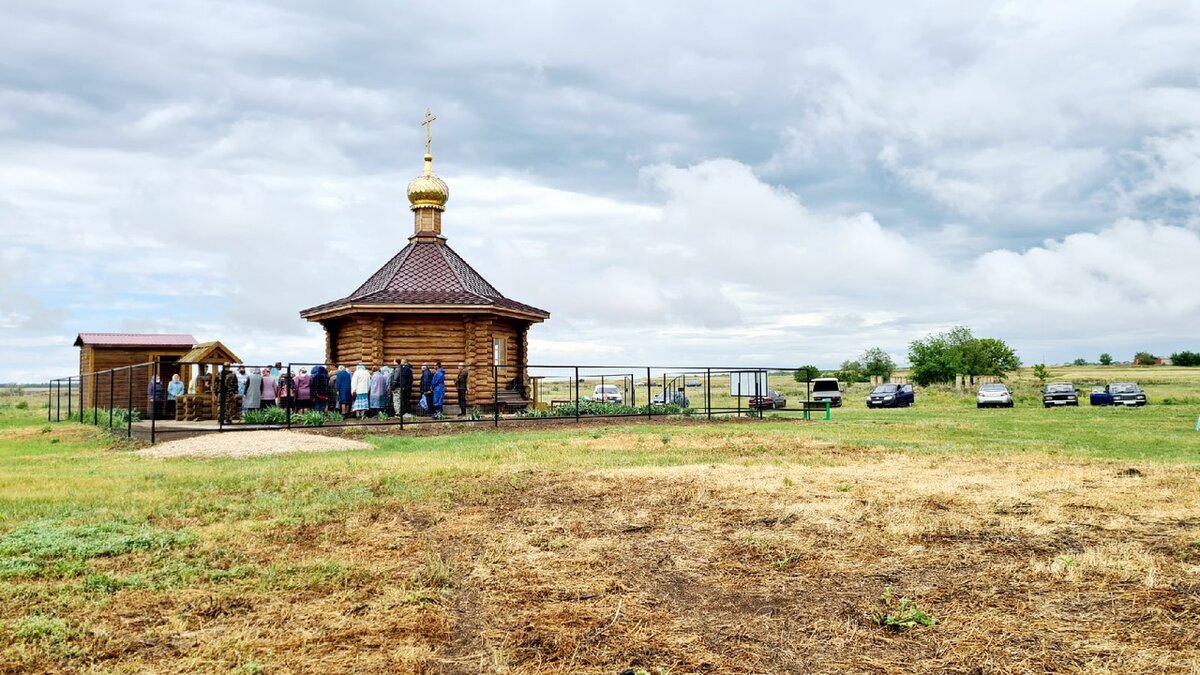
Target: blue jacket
pixel 439 387
pixel 343 387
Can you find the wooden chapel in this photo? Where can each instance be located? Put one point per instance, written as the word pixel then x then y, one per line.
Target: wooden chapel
pixel 427 304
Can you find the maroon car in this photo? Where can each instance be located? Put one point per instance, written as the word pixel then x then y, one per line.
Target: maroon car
pixel 773 399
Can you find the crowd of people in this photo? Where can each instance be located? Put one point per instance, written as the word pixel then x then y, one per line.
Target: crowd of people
pixel 364 391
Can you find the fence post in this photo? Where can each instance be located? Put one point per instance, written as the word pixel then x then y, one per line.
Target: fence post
pixel 495 395
pixel 129 401
pixel 81 386
pixel 739 394
pixel 758 394
pixel 649 396
pixel 827 407
pixel 291 384
pixel 708 392
pixel 70 388
pixel 95 400
pixel 112 394
pixel 576 393
pixel 153 412
pixel 221 400
pixel 50 401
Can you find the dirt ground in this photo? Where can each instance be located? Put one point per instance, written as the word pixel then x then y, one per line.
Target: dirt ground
pixel 250 444
pixel 1029 564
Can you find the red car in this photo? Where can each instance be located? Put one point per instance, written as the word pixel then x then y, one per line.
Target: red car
pixel 773 399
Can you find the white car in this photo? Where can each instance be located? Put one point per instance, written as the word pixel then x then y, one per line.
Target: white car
pixel 607 393
pixel 994 395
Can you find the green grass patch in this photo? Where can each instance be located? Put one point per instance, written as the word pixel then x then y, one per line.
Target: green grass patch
pixel 49 540
pixel 39 628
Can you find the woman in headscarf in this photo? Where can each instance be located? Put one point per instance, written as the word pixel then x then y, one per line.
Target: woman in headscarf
pixel 175 389
pixel 344 391
pixel 303 391
pixel 268 388
pixel 320 388
pixel 361 386
pixel 379 391
pixel 252 399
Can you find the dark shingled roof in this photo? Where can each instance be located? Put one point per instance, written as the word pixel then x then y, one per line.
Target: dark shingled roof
pixel 427 273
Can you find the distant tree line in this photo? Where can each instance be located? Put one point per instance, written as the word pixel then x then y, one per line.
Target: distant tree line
pixel 940 357
pixel 1186 358
pixel 1183 358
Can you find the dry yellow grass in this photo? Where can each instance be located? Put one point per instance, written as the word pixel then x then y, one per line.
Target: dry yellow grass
pixel 1030 564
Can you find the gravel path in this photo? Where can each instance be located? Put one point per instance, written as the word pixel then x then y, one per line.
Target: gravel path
pixel 251 444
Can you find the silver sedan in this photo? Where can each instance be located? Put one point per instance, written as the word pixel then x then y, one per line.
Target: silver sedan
pixel 993 396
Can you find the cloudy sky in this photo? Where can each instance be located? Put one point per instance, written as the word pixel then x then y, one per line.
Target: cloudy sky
pixel 765 183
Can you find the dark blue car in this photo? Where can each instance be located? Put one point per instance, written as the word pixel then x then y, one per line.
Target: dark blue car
pixel 1118 393
pixel 891 396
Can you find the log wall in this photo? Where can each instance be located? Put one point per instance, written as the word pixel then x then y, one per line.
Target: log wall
pixel 376 339
pixel 93 359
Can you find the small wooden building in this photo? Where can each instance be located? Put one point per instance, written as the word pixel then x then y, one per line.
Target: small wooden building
pixel 428 304
pixel 106 351
pixel 204 404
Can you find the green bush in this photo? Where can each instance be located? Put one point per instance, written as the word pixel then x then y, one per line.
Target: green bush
pixel 22 405
pixel 310 418
pixel 272 415
pixel 123 416
pixel 806 373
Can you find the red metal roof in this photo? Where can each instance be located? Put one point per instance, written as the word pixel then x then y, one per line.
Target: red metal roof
pixel 427 273
pixel 135 339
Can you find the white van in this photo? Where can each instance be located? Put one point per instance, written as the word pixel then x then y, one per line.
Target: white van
pixel 827 389
pixel 607 393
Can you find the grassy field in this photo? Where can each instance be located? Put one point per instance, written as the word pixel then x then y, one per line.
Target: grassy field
pixel 1062 540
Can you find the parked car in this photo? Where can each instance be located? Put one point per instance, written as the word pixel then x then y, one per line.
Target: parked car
pixel 607 393
pixel 773 399
pixel 993 395
pixel 1118 393
pixel 891 396
pixel 827 389
pixel 1059 393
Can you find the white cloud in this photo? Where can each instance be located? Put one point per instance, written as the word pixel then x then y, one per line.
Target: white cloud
pixel 721 185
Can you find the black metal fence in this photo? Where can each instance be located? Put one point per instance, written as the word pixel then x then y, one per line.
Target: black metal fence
pixel 155 401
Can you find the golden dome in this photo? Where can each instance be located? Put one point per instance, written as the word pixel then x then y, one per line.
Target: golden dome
pixel 427 190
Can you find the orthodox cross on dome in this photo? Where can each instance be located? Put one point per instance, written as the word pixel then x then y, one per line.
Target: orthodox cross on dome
pixel 428 124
